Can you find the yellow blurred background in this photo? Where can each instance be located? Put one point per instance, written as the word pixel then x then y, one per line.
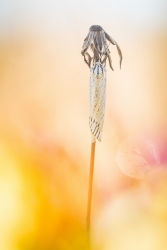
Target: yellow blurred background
pixel 44 131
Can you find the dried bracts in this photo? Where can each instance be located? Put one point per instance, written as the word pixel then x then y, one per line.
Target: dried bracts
pixel 97 40
pixel 97 100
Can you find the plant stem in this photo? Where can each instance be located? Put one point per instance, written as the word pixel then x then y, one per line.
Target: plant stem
pixel 90 190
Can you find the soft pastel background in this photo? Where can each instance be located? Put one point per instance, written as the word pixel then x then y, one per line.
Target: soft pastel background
pixel 44 132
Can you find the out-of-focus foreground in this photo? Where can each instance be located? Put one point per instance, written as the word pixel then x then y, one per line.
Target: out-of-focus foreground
pixel 45 143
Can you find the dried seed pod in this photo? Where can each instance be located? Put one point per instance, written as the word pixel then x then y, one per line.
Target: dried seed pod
pixel 97 100
pixel 96 40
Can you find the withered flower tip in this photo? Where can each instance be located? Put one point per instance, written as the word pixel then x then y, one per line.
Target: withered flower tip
pixel 96 40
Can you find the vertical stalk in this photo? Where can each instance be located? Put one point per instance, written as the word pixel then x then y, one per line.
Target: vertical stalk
pixel 91 171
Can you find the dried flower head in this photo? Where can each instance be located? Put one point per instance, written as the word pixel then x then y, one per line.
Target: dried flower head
pixel 96 40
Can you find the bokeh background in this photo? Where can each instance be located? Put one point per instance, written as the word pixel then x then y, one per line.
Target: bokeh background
pixel 44 132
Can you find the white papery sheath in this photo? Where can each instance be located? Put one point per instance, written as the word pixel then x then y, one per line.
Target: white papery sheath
pixel 97 100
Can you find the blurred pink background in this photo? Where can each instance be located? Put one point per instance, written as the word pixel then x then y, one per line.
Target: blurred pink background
pixel 44 130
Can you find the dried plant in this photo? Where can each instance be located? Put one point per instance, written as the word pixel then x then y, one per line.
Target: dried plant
pixel 96 40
